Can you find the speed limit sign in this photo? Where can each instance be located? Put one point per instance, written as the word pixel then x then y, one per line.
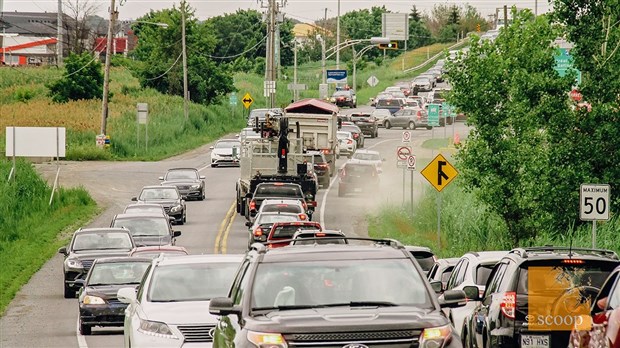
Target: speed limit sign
pixel 594 202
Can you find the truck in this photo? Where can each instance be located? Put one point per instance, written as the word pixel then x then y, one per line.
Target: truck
pixel 281 154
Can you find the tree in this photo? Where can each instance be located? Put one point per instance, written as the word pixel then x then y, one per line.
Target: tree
pixel 83 79
pixel 419 34
pixel 448 20
pixel 518 106
pixel 80 35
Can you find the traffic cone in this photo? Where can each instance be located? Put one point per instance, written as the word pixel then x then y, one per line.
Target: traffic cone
pixel 457 139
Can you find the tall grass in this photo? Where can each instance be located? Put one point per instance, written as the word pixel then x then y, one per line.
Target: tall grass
pixel 30 227
pixel 466 225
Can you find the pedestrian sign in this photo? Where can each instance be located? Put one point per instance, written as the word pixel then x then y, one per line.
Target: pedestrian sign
pixel 439 172
pixel 433 114
pixel 247 100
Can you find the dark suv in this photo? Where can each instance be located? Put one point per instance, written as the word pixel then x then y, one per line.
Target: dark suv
pixel 332 295
pixel 535 296
pixel 367 123
pixel 357 178
pixel 274 190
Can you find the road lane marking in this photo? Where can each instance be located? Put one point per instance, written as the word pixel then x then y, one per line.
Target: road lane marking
pixel 225 239
pixel 80 338
pixel 205 167
pixel 222 228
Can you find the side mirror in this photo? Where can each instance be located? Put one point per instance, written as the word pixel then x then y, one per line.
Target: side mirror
pixel 248 223
pixel 134 199
pixel 161 178
pixel 472 292
pixel 62 250
pixel 211 147
pixel 437 286
pixel 126 295
pixel 171 218
pixel 176 233
pixel 453 299
pixel 223 306
pixel 202 177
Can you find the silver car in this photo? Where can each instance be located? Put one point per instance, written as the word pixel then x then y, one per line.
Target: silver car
pixel 170 309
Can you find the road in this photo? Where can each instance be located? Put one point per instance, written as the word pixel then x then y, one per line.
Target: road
pixel 40 316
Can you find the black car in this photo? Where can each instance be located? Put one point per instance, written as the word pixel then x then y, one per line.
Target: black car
pixel 367 123
pixel 332 295
pixel 188 180
pixel 344 98
pixel 321 166
pixel 87 245
pixel 99 305
pixel 276 190
pixel 167 196
pixel 534 296
pixel 358 177
pixel 358 135
pixel 147 229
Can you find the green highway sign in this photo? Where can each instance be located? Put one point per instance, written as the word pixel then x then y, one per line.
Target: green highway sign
pixel 564 63
pixel 233 99
pixel 448 109
pixel 433 114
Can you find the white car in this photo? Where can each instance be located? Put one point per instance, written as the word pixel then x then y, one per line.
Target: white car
pixel 346 143
pixel 380 115
pixel 171 308
pixel 225 151
pixel 368 157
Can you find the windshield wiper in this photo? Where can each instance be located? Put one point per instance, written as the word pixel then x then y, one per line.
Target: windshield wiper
pixel 286 307
pixel 350 304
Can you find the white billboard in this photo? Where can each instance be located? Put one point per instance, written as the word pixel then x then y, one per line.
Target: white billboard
pixel 395 26
pixel 36 142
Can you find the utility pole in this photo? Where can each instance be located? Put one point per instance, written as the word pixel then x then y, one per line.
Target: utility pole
pixel 185 89
pixel 536 8
pixel 338 37
pixel 106 75
pixel 295 91
pixel 59 45
pixel 505 15
pixel 325 24
pixel 272 49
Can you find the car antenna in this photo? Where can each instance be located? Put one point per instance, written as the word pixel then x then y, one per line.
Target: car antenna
pixel 570 245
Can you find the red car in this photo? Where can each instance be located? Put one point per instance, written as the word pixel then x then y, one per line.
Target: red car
pixel 286 230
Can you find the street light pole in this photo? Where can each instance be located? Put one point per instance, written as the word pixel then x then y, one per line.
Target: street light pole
pixel 338 36
pixel 106 75
pixel 59 44
pixel 356 56
pixel 185 88
pixel 323 69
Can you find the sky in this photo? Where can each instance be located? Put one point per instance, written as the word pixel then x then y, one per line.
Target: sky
pixel 302 10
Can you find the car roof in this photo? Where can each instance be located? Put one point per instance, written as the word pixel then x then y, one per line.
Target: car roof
pixel 159 187
pixel 278 184
pixel 268 213
pixel 486 255
pixel 101 229
pixel 119 259
pixel 194 259
pixel 148 205
pixel 356 163
pixel 418 248
pixel 281 201
pixel 182 168
pixel 313 232
pixel 322 252
pixel 139 215
pixel 151 248
pixel 367 151
pixel 560 253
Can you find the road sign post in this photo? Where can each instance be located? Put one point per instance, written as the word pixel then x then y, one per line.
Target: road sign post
pixel 594 205
pixel 142 118
pixel 411 167
pixel 402 153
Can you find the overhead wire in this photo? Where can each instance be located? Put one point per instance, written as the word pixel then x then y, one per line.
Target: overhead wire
pixel 238 54
pixel 167 71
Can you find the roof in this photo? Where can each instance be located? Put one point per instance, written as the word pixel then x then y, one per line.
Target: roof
pixel 417 248
pixel 559 252
pixel 159 248
pixel 323 252
pixel 312 106
pixel 139 215
pixel 182 168
pixel 123 259
pixel 487 255
pixel 102 229
pixel 159 187
pixel 194 259
pixel 142 205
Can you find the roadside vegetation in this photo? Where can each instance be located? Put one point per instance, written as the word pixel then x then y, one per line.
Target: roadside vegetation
pixel 31 230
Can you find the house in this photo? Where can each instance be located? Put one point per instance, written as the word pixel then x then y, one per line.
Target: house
pixel 306 31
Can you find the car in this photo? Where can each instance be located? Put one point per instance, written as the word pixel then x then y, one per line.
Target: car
pixel 421 101
pixel 275 190
pixel 534 296
pixel 366 122
pixel 344 98
pixel 321 167
pixel 408 118
pixel 337 295
pixel 391 104
pixel 168 197
pixel 86 245
pixel 154 252
pixel 188 180
pixel 98 304
pixel 413 103
pixel 147 229
pixel 145 208
pixel 261 116
pixel 368 157
pixel 599 328
pixel 259 229
pixel 346 144
pixel 248 134
pixel 441 270
pixel 381 95
pixel 225 152
pixel 380 115
pixel 421 84
pixel 284 231
pixel 437 73
pixel 431 76
pixel 169 310
pixel 358 136
pixel 405 87
pixel 313 236
pixel 295 206
pixel 358 177
pixel 423 255
pixel 472 269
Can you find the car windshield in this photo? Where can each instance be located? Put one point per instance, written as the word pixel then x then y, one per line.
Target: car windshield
pixel 260 113
pixel 359 170
pixel 226 144
pixel 182 175
pixel 350 128
pixel 338 283
pixel 287 231
pixel 279 191
pixel 142 227
pixel 389 102
pixel 422 80
pixel 191 282
pixel 360 115
pixel 117 273
pixel 282 208
pixel 424 258
pixel 102 240
pixel 145 209
pixel 365 156
pixel 158 193
pixel 271 218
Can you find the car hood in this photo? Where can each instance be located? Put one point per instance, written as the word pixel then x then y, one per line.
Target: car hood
pixel 152 240
pixel 337 319
pixel 180 182
pixel 227 151
pixel 106 291
pixel 96 254
pixel 190 312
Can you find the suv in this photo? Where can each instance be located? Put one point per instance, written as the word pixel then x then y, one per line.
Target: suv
pixel 392 104
pixel 168 197
pixel 367 123
pixel 358 177
pixel 424 255
pixel 442 269
pixel 535 296
pixel 408 118
pixel 332 295
pixel 276 190
pixel 88 244
pixel 321 167
pixel 344 98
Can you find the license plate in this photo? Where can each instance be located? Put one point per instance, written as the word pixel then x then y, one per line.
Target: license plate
pixel 535 341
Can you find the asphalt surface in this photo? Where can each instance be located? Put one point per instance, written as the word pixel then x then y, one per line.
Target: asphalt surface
pixel 39 316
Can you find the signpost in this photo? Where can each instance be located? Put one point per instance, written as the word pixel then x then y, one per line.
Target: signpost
pixel 402 154
pixel 411 168
pixel 564 63
pixel 372 81
pixel 142 118
pixel 336 76
pixel 594 205
pixel 406 136
pixel 439 173
pixel 247 100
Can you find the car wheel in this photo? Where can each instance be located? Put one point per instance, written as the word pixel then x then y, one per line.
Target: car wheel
pixel 202 196
pixel 326 182
pixel 69 293
pixel 387 125
pixel 376 133
pixel 85 330
pixel 184 216
pixel 411 125
pixel 429 127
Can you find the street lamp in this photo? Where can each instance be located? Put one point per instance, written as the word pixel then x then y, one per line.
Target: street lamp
pixel 4 44
pixel 356 56
pixel 338 47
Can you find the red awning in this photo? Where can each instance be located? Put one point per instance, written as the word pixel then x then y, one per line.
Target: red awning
pixel 312 106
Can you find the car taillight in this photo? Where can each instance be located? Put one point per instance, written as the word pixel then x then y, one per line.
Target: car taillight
pixel 319 234
pixel 303 217
pixel 326 151
pixel 349 141
pixel 313 204
pixel 419 114
pixel 356 135
pixel 252 205
pixel 508 304
pixel 573 262
pixel 258 232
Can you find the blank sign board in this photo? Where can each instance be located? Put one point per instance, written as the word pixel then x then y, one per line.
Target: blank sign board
pixel 36 141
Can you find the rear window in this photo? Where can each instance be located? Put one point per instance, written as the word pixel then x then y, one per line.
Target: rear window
pixel 279 191
pixel 288 231
pixel 389 102
pixel 282 208
pixel 425 259
pixel 270 219
pixel 482 273
pixel 359 170
pixel 556 277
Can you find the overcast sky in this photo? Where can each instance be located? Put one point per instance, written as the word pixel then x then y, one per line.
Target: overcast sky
pixel 303 10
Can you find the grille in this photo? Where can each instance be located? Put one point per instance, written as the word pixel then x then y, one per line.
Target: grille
pixel 87 264
pixel 197 333
pixel 114 301
pixel 183 187
pixel 373 339
pixel 167 209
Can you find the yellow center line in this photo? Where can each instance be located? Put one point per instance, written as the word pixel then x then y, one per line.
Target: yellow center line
pixel 223 225
pixel 225 240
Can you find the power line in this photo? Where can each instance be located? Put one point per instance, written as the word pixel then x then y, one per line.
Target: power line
pixel 235 55
pixel 167 71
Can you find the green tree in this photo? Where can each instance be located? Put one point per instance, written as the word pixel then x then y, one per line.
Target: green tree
pixel 517 105
pixel 83 79
pixel 419 34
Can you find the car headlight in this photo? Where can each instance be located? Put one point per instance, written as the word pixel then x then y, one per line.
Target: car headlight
pixel 332 99
pixel 74 263
pixel 176 209
pixel 267 340
pixel 435 337
pixel 195 187
pixel 89 299
pixel 155 328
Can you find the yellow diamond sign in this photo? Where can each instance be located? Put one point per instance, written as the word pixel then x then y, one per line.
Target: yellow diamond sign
pixel 247 100
pixel 439 172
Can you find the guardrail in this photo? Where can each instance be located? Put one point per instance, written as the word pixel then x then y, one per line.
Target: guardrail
pixel 417 67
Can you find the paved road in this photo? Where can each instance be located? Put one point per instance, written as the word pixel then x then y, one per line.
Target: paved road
pixel 41 317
